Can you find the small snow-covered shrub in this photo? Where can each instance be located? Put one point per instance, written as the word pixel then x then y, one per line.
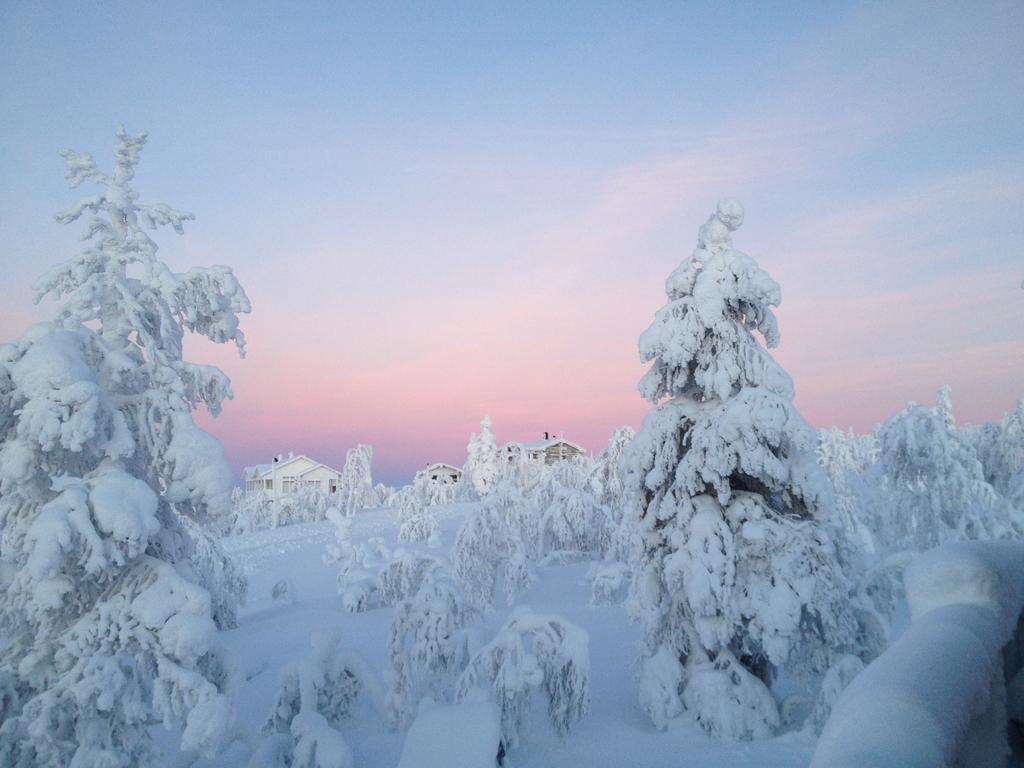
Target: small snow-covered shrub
pixel 609 583
pixel 314 697
pixel 283 592
pixel 727 700
pixel 403 576
pixel 533 652
pixel 416 519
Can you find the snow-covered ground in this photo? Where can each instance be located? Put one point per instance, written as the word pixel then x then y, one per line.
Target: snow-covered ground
pixel 615 733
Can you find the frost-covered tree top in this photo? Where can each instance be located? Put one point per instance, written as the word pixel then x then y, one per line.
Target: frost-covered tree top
pixel 701 341
pixel 117 279
pixel 483 462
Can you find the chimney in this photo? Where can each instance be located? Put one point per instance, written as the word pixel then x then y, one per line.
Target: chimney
pixel 546 436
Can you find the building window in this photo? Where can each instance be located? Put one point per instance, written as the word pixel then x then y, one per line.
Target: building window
pixel 269 484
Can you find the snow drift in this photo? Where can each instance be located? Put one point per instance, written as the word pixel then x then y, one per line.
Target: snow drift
pixel 938 695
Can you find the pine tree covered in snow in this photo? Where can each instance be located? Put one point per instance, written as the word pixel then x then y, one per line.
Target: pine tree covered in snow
pixel 737 577
pixel 105 484
pixel 483 462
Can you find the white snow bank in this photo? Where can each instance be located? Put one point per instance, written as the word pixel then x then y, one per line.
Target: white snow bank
pixel 937 696
pixel 464 735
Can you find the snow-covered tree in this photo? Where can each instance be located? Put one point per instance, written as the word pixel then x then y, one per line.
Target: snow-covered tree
pixel 575 522
pixel 496 545
pixel 314 697
pixel 355 489
pixel 428 644
pixel 933 486
pixel 482 546
pixel 737 576
pixel 944 406
pixel 483 461
pixel 845 457
pixel 416 518
pixel 431 491
pixel 1000 449
pixel 112 590
pixel 606 480
pixel 533 652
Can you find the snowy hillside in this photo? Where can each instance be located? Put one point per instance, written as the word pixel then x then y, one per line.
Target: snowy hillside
pixel 272 634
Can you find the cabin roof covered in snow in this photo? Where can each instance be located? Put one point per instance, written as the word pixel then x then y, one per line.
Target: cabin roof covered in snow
pixel 541 445
pixel 260 470
pixel 443 465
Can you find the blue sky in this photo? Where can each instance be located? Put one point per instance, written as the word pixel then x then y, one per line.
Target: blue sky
pixel 386 178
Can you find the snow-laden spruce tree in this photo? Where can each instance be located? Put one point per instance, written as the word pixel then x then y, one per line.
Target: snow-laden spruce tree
pixel 355 489
pixel 932 485
pixel 737 577
pixel 483 462
pixel 111 589
pixel 606 480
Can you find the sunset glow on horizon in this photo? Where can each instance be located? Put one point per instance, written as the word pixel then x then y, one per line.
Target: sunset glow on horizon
pixel 430 233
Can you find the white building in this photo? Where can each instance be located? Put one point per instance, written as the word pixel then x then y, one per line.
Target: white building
pixel 286 475
pixel 549 450
pixel 443 473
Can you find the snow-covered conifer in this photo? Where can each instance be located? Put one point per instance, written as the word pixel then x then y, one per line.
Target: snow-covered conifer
pixel 483 462
pixel 606 480
pixel 933 485
pixel 737 576
pixel 533 652
pixel 355 489
pixel 416 518
pixel 427 645
pixel 105 481
pixel 482 546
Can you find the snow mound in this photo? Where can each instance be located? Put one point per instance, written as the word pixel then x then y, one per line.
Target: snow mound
pixel 937 696
pixel 465 735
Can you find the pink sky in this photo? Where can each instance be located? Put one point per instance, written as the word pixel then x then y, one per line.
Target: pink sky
pixel 439 217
